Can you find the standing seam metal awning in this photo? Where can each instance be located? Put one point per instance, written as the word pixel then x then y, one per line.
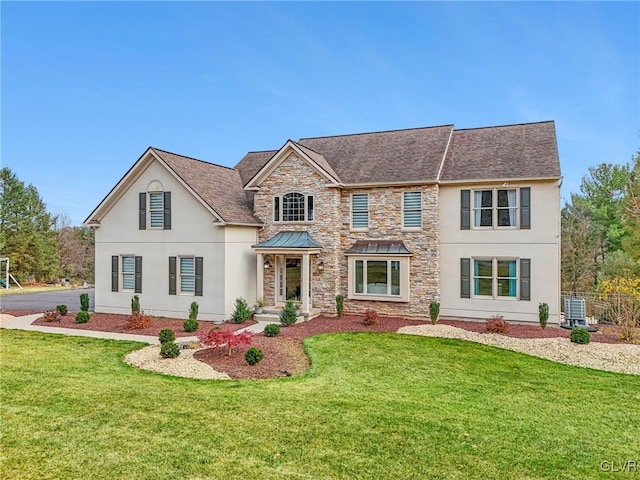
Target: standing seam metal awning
pixel 378 247
pixel 290 240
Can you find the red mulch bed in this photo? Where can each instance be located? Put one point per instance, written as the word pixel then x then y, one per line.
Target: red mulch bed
pixel 20 313
pixel 106 322
pixel 284 355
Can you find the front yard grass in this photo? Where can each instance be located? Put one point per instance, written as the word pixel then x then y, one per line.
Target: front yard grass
pixel 37 289
pixel 372 406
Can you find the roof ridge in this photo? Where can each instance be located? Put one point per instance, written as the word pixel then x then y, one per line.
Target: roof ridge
pixel 503 126
pixel 192 158
pixel 261 151
pixel 308 148
pixel 380 131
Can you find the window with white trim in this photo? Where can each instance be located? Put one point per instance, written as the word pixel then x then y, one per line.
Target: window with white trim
pixel 379 278
pixel 293 207
pixel 412 210
pixel 187 274
pixel 360 211
pixel 156 209
pixel 128 272
pixel 495 277
pixel 495 208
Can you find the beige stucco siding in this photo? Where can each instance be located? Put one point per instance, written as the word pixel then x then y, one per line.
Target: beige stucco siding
pixel 193 233
pixel 541 244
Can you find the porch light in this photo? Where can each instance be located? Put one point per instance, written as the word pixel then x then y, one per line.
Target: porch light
pixel 267 264
pixel 321 265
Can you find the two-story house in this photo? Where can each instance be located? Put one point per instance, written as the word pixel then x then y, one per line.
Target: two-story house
pixel 391 220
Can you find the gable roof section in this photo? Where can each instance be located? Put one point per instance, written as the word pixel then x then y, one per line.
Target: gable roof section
pixel 252 163
pixel 505 152
pixel 218 187
pixel 385 157
pixel 314 159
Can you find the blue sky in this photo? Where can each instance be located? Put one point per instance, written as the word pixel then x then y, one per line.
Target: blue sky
pixel 88 86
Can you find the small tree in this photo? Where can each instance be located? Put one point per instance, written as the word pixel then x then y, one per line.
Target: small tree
pixel 434 312
pixel 543 314
pixel 289 314
pixel 191 324
pixel 241 312
pixel 217 338
pixel 135 305
pixel 339 305
pixel 84 302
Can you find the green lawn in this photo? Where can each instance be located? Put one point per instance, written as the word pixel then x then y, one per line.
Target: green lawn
pixel 373 406
pixel 18 291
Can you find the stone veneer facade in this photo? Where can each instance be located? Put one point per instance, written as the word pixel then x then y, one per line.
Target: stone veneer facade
pixel 331 228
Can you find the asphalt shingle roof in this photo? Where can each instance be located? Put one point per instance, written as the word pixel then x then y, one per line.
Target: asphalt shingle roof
pixel 219 187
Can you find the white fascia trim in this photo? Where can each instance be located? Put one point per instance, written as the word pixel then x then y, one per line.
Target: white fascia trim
pixel 286 251
pixel 446 150
pixel 278 158
pixel 498 180
pixel 348 186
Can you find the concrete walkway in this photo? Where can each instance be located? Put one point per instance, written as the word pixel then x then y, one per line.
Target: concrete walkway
pixel 25 323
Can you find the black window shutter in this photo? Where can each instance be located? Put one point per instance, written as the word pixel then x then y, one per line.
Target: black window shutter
pixel 172 275
pixel 465 278
pixel 525 279
pixel 465 209
pixel 310 208
pixel 142 219
pixel 138 275
pixel 199 265
pixel 525 208
pixel 276 209
pixel 114 272
pixel 167 210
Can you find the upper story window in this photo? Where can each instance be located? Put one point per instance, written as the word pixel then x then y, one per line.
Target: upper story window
pixel 412 210
pixel 495 208
pixel 293 207
pixel 154 210
pixel 360 211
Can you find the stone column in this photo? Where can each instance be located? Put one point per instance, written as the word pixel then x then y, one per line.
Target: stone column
pixel 304 284
pixel 260 276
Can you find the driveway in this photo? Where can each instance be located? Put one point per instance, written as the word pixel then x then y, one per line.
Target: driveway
pixel 47 300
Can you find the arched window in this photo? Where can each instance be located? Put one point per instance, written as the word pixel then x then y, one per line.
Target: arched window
pixel 296 207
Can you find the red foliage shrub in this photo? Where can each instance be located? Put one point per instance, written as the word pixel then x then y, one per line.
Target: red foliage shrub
pixel 137 321
pixel 497 325
pixel 371 317
pixel 217 338
pixel 52 316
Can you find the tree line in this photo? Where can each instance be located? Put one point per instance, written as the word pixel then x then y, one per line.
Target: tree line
pixel 41 246
pixel 601 228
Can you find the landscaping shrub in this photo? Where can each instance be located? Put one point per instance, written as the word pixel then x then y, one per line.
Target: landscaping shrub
pixel 543 314
pixel 169 350
pixel 84 302
pixel 339 305
pixel 190 325
pixel 253 355
pixel 241 312
pixel 137 321
pixel 166 335
pixel 371 317
pixel 580 335
pixel 217 338
pixel 135 305
pixel 434 312
pixel 497 325
pixel 193 311
pixel 82 316
pixel 289 314
pixel 62 309
pixel 272 330
pixel 52 316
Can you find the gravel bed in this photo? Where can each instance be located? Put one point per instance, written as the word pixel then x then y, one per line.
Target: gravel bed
pixel 184 365
pixel 621 358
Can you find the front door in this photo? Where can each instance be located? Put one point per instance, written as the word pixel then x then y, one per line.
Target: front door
pixel 288 278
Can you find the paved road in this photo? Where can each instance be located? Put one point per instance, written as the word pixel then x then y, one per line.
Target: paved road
pixel 47 300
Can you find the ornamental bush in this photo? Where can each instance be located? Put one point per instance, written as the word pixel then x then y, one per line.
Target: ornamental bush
pixel 543 314
pixel 497 325
pixel 135 305
pixel 339 305
pixel 253 355
pixel 82 316
pixel 289 314
pixel 241 312
pixel 137 321
pixel 84 302
pixel 52 316
pixel 580 335
pixel 272 330
pixel 169 350
pixel 62 309
pixel 371 317
pixel 190 325
pixel 217 338
pixel 166 335
pixel 434 312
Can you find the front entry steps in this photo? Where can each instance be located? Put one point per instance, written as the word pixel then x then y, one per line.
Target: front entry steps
pixel 272 315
